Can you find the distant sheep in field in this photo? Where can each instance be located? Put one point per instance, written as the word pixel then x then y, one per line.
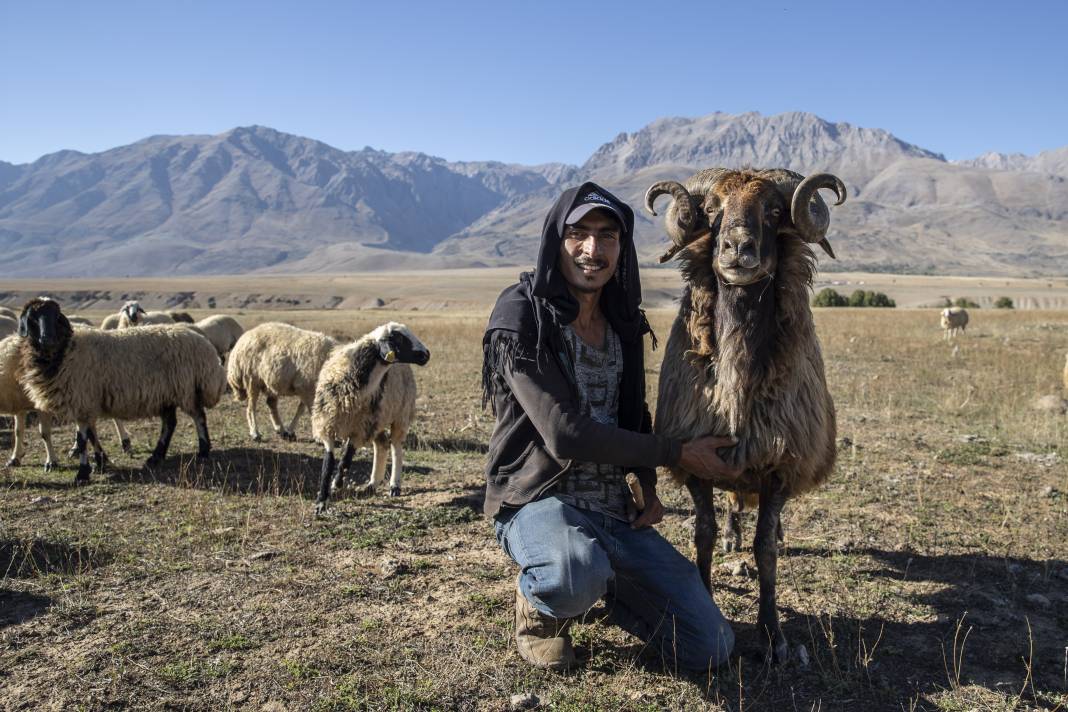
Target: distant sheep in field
pixel 9 313
pixel 222 331
pixel 128 374
pixel 954 321
pixel 277 360
pixel 180 317
pixel 110 322
pixel 366 393
pixel 15 402
pixel 132 314
pixel 79 321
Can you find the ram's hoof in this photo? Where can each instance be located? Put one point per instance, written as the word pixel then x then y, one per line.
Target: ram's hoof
pixel 366 491
pixel 153 462
pixel 204 456
pixel 13 462
pixel 320 508
pixel 286 435
pixel 394 491
pixel 728 545
pixel 73 452
pixel 49 466
pixel 337 484
pixel 82 477
pixel 256 437
pixel 127 446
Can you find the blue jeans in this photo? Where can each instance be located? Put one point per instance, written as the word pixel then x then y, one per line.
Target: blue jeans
pixel 570 558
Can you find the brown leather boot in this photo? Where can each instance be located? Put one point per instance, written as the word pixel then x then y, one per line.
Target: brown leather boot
pixel 543 641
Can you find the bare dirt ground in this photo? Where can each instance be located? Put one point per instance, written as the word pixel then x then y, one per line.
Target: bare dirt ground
pixel 931 572
pixel 472 289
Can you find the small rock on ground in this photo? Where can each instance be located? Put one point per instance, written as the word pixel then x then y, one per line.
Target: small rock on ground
pixel 1051 404
pixel 524 701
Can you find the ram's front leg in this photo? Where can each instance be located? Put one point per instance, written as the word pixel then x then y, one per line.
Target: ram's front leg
pixel 766 550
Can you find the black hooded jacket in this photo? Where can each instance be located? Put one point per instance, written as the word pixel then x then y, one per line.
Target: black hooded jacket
pixel 527 376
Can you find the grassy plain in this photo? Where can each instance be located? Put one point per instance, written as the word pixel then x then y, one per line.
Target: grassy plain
pixel 931 572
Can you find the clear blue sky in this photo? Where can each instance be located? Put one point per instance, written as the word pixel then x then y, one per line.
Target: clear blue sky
pixel 528 82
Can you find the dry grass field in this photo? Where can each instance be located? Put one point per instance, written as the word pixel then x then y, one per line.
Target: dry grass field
pixel 931 572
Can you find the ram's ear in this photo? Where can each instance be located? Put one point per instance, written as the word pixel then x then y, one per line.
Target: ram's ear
pixel 24 326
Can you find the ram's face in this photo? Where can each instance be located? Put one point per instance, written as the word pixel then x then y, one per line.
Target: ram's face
pixel 745 216
pixel 397 344
pixel 44 325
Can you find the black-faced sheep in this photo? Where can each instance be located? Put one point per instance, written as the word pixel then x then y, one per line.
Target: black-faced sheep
pixel 15 402
pixel 954 321
pixel 743 359
pixel 366 393
pixel 277 360
pixel 84 375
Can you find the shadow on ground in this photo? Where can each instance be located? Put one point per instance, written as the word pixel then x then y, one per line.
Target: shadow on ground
pixel 18 607
pixel 39 557
pixel 1006 618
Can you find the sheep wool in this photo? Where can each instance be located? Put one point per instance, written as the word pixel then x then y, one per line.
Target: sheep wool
pixel 366 394
pixel 84 375
pixel 15 402
pixel 222 331
pixel 275 360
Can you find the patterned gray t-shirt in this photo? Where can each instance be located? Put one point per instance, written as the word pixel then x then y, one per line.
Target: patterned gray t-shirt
pixel 589 485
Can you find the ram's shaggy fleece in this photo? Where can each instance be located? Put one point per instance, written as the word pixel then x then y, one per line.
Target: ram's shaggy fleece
pixel 128 374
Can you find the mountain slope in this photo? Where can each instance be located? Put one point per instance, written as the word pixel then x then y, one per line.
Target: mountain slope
pixel 254 199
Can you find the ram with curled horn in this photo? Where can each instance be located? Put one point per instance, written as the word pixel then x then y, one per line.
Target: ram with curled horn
pixel 743 358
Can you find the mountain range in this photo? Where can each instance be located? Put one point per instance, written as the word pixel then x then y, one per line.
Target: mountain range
pixel 258 200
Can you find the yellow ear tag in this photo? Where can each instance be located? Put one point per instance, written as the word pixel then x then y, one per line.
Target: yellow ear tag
pixel 391 356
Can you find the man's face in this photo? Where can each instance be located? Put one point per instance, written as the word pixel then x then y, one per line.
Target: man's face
pixel 590 251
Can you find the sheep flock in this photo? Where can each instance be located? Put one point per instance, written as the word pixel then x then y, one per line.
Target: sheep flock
pixel 145 365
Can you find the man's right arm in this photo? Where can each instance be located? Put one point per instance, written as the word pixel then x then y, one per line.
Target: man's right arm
pixel 546 397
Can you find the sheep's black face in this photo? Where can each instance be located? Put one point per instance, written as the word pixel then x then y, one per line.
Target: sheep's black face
pixel 745 215
pixel 397 344
pixel 44 325
pixel 134 312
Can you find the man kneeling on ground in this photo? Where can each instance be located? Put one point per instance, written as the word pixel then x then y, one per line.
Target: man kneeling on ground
pixel 564 372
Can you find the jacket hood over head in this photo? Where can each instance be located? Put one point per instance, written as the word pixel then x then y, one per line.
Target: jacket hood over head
pixel 542 296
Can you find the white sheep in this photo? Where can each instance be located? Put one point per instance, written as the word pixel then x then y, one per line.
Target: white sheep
pixel 277 360
pixel 79 321
pixel 110 322
pixel 365 389
pixel 132 314
pixel 222 331
pixel 954 321
pixel 15 402
pixel 84 374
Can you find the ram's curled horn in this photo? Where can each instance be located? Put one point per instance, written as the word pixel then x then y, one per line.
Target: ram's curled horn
pixel 810 215
pixel 684 220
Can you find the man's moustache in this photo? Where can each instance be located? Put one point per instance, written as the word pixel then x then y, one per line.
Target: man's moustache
pixel 590 263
